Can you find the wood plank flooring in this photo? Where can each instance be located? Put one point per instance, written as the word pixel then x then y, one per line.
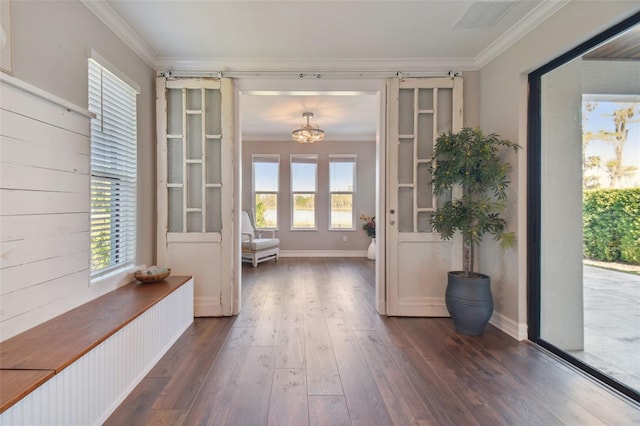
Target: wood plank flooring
pixel 309 349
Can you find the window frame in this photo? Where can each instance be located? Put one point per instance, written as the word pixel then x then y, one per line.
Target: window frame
pixel 276 193
pixel 354 158
pixel 110 95
pixel 292 158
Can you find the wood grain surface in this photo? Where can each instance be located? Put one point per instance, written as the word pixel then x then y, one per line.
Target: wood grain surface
pixel 309 348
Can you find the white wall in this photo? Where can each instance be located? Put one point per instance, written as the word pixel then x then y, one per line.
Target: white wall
pixel 503 109
pixel 51 44
pixel 471 99
pixel 611 77
pixel 322 238
pixel 561 208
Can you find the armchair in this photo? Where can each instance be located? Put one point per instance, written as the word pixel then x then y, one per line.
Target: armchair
pixel 255 248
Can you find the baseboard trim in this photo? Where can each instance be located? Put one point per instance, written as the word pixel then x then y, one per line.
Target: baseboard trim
pixel 204 306
pixel 516 330
pixel 323 253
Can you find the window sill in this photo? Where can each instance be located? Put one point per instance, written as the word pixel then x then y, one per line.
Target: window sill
pixel 117 277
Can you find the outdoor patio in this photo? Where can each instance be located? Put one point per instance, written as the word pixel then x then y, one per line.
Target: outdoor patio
pixel 612 324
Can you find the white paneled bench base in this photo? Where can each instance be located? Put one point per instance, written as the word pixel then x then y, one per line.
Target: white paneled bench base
pixel 85 362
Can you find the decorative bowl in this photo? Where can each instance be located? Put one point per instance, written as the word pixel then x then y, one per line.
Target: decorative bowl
pixel 152 275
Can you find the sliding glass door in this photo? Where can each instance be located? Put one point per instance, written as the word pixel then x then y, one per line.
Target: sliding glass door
pixel 584 198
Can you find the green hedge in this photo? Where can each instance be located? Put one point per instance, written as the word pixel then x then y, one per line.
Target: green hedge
pixel 612 225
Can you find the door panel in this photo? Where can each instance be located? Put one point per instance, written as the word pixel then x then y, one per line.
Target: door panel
pixel 417 258
pixel 195 148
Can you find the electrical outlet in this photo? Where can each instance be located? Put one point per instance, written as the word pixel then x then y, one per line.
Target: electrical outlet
pixel 344 238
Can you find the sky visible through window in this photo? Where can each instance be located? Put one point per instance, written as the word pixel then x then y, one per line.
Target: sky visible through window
pixel 601 118
pixel 266 177
pixel 303 177
pixel 341 176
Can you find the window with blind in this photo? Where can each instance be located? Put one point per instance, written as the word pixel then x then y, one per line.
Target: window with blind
pixel 304 178
pixel 342 177
pixel 265 190
pixel 113 170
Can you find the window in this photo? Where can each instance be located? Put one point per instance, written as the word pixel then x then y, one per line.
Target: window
pixel 304 178
pixel 265 189
pixel 342 176
pixel 113 170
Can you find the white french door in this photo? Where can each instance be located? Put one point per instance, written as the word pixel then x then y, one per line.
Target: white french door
pixel 418 110
pixel 195 180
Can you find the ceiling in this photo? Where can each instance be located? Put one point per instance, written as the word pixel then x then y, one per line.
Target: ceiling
pixel 345 116
pixel 318 39
pixel 625 47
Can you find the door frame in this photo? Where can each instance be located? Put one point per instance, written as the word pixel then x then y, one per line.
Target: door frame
pixel 375 86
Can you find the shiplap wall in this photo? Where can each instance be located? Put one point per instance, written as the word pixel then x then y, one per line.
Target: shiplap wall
pixel 44 206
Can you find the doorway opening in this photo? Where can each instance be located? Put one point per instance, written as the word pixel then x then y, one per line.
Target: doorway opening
pixel 310 180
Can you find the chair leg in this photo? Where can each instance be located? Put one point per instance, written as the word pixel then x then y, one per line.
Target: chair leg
pixel 254 260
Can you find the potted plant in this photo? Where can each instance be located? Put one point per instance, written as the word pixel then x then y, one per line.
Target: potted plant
pixel 470 161
pixel 369 226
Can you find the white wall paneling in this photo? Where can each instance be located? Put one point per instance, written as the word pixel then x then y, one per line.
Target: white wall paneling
pixel 44 205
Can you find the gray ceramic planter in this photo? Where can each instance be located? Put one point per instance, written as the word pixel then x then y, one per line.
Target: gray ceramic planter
pixel 469 302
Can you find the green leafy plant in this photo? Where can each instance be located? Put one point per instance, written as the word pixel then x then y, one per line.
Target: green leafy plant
pixel 471 160
pixel 611 219
pixel 261 222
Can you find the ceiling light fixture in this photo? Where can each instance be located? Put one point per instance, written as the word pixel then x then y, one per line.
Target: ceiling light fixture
pixel 308 133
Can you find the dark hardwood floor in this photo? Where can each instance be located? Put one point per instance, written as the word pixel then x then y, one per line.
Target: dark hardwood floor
pixel 309 348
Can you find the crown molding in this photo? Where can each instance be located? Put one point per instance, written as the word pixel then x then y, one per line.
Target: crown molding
pixel 357 67
pixel 521 28
pixel 120 28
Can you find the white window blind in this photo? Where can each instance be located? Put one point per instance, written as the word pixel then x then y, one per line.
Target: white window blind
pixel 113 170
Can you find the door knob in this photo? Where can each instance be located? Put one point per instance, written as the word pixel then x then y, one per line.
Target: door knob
pixel 393 222
pixel 392 211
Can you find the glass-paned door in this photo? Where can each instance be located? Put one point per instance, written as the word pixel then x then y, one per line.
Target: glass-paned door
pixel 195 148
pixel 417 258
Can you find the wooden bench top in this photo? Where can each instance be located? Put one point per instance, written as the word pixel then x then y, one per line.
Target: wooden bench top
pixel 16 384
pixel 29 359
pixel 55 344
